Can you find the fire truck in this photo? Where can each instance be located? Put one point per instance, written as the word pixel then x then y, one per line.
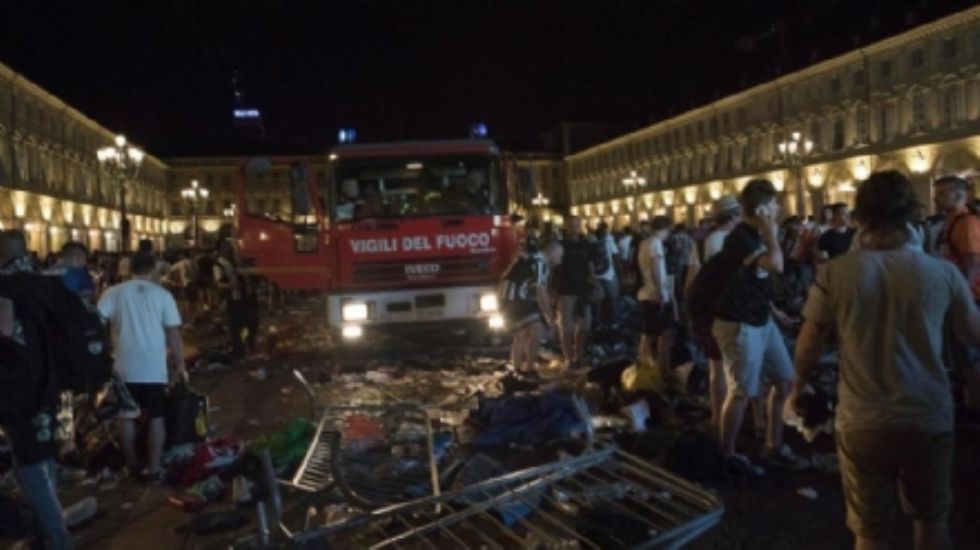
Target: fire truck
pixel 410 235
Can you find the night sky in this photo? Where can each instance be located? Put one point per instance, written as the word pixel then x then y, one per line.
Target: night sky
pixel 161 72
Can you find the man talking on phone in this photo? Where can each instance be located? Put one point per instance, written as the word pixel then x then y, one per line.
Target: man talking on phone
pixel 753 348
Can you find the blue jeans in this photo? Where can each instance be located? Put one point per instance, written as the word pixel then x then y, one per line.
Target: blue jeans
pixel 37 483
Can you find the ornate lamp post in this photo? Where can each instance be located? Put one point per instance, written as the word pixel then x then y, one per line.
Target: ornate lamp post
pixel 793 152
pixel 194 195
pixel 635 184
pixel 122 162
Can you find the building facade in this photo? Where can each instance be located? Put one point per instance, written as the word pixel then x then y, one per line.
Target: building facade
pixel 910 102
pixel 51 184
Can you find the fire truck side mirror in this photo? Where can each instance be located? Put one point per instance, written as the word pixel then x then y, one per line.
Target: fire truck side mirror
pixel 516 218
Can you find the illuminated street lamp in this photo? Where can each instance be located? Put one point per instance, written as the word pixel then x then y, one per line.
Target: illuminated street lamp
pixel 792 152
pixel 635 184
pixel 122 162
pixel 540 201
pixel 194 195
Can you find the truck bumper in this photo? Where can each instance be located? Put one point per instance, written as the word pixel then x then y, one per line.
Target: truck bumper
pixel 412 309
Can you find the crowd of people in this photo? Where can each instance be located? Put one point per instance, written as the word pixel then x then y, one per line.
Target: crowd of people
pixel 894 293
pixel 141 301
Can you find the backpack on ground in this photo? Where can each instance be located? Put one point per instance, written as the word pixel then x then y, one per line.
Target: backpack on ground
pixel 709 289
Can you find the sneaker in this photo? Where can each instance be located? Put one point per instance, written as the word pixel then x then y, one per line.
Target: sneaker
pixel 784 459
pixel 740 466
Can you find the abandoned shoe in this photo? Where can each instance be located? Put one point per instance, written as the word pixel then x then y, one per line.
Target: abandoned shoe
pixel 784 458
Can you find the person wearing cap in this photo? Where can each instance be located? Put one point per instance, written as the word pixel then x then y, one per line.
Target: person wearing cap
pixel 525 302
pixel 726 215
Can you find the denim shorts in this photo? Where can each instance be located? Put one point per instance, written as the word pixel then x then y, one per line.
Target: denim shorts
pixel 752 354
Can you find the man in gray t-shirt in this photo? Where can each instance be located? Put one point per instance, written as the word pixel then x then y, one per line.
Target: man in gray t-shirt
pixel 885 304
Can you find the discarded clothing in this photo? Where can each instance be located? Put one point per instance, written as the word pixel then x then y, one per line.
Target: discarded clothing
pixel 528 420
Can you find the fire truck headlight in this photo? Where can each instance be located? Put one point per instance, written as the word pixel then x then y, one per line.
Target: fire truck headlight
pixel 351 332
pixel 488 302
pixel 354 311
pixel 496 321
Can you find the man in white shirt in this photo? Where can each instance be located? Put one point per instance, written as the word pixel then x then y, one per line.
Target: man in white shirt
pixel 146 335
pixel 656 306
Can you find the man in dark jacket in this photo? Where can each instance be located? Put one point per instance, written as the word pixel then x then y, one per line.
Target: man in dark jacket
pixel 30 393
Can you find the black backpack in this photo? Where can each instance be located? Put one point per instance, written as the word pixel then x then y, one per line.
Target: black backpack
pixel 709 289
pixel 74 334
pixel 82 345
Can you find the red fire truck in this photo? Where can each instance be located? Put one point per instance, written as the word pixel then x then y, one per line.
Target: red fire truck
pixel 400 235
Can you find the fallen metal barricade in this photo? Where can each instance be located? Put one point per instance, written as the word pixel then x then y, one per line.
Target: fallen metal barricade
pixel 601 499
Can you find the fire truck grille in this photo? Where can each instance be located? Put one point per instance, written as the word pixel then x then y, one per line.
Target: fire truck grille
pixel 460 267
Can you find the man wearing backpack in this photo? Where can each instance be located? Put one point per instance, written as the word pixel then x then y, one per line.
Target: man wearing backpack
pixel 751 344
pixel 146 330
pixel 31 390
pixel 959 242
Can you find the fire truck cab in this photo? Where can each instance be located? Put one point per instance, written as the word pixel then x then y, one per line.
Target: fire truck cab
pixel 405 235
pixel 420 235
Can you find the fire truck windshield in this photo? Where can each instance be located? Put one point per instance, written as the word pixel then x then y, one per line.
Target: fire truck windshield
pixel 406 187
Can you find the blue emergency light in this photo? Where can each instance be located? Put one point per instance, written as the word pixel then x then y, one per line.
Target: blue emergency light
pixel 478 130
pixel 346 135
